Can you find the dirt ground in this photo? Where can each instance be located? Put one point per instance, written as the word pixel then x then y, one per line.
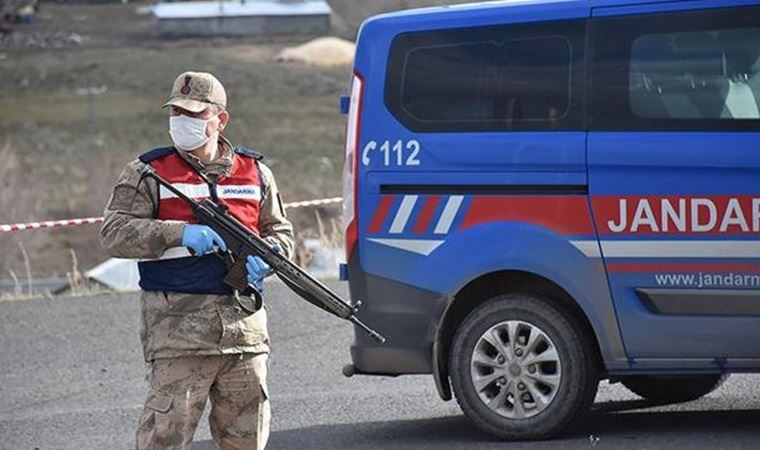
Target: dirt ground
pixel 97 25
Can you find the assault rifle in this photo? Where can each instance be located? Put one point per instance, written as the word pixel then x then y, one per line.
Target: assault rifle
pixel 242 242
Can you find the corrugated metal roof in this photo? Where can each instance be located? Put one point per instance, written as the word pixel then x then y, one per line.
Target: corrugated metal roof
pixel 205 9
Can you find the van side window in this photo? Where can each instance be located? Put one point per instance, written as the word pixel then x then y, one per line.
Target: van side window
pixel 487 79
pixel 678 71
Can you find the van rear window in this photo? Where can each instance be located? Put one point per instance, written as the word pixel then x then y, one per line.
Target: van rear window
pixel 495 78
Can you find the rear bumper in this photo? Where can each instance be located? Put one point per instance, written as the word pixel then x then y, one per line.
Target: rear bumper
pixel 408 318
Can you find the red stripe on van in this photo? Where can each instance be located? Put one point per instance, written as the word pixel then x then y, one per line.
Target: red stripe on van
pixel 386 201
pixel 565 214
pixel 423 221
pixel 682 267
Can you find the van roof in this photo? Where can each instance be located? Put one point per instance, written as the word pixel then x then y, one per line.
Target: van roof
pixel 377 32
pixel 477 9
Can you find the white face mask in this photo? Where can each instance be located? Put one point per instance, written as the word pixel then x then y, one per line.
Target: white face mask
pixel 188 133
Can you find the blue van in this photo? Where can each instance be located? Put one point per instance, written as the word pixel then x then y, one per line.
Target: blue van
pixel 543 194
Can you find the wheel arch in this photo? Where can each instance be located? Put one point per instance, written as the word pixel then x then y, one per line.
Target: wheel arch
pixel 482 288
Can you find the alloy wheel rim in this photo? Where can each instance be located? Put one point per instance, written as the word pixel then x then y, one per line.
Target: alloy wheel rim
pixel 515 369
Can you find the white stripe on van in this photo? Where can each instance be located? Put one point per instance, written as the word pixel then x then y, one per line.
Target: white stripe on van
pixel 669 249
pixel 419 246
pixel 449 213
pixel 681 249
pixel 402 216
pixel 588 248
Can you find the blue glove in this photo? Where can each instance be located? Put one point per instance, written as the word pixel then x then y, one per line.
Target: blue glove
pixel 201 239
pixel 258 269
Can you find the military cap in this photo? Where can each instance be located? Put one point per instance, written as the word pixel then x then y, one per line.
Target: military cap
pixel 195 91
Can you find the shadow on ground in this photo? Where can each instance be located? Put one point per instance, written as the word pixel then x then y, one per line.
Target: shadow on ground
pixel 609 424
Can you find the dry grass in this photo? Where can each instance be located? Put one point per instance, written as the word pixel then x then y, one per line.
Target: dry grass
pixel 20 201
pixel 322 224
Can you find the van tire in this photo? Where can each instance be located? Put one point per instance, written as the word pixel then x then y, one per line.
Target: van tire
pixel 576 366
pixel 675 388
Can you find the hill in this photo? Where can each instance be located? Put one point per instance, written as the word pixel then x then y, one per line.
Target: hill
pixel 350 13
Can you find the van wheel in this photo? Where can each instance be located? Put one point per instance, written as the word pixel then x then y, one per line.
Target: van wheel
pixel 522 368
pixel 673 389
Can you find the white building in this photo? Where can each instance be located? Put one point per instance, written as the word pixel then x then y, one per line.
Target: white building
pixel 243 17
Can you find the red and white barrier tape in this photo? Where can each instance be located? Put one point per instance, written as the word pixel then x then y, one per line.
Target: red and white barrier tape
pixel 90 220
pixel 322 201
pixel 48 224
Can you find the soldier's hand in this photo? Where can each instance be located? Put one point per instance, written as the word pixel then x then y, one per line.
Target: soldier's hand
pixel 201 239
pixel 257 269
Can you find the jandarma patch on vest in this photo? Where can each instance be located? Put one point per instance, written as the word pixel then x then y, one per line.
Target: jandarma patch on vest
pixel 239 190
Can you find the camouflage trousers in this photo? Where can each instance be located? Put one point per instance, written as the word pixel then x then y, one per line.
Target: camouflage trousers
pixel 179 387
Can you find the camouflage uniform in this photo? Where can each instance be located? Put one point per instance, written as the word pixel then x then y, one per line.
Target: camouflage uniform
pixel 198 346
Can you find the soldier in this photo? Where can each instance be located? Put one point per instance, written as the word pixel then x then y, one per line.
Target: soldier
pixel 198 341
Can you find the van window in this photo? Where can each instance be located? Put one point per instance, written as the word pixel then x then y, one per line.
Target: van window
pixel 684 71
pixel 495 78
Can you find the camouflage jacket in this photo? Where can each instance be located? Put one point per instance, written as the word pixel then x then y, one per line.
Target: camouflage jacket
pixel 177 324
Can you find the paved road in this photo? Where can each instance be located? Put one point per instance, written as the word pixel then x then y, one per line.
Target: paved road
pixel 72 377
